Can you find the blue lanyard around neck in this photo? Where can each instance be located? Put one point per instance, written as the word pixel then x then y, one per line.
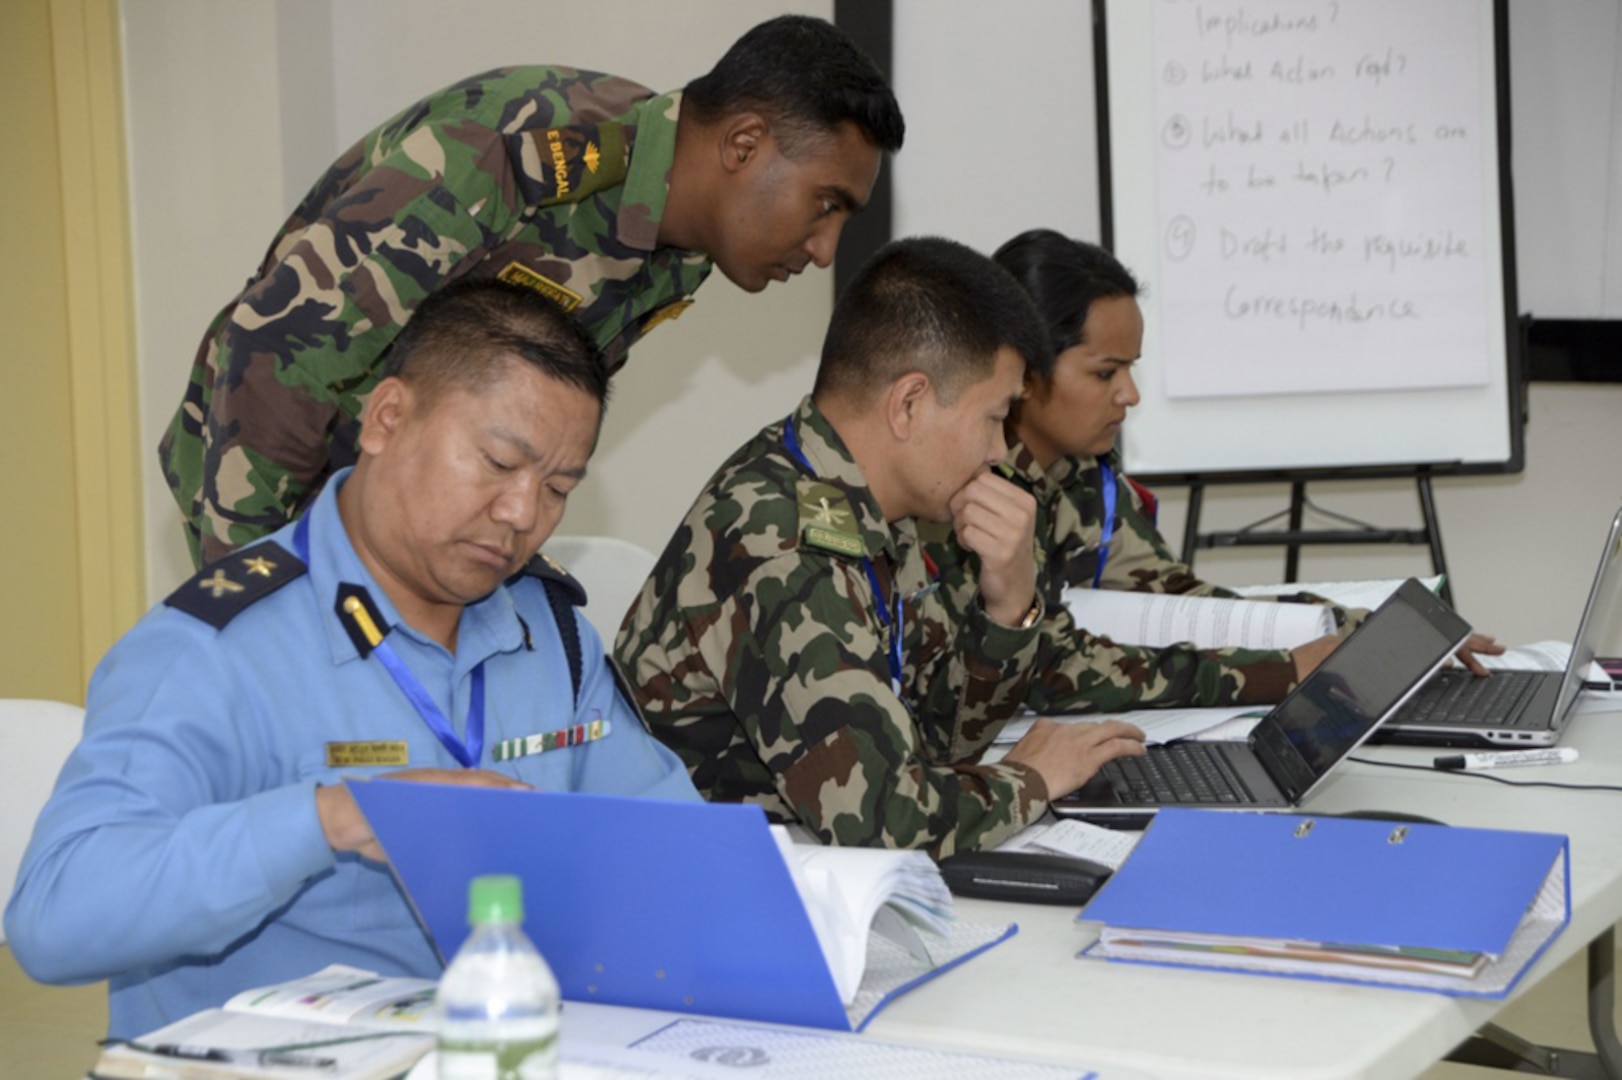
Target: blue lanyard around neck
pixel 468 754
pixel 1107 477
pixel 888 619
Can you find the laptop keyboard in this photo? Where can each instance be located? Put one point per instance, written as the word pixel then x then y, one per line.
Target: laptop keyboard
pixel 1177 773
pixel 1456 697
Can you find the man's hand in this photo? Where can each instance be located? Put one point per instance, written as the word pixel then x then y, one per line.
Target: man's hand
pixel 997 521
pixel 1309 656
pixel 1067 755
pixel 346 826
pixel 1478 643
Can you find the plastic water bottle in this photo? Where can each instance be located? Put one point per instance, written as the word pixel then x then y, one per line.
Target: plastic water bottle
pixel 498 1000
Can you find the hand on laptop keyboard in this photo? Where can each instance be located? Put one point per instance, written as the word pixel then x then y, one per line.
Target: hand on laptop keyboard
pixel 1068 755
pixel 1478 643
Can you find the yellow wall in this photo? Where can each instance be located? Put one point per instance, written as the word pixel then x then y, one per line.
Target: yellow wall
pixel 67 474
pixel 40 648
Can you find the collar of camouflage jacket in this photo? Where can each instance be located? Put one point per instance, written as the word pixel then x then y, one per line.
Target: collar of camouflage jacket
pixel 652 126
pixel 1064 474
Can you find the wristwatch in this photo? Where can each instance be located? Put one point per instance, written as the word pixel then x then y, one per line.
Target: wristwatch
pixel 1033 616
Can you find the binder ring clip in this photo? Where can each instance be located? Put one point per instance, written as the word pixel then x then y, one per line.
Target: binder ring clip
pixel 1304 828
pixel 1398 834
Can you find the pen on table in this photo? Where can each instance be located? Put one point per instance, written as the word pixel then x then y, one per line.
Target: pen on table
pixel 1500 759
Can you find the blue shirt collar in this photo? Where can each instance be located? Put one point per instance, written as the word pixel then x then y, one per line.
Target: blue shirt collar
pixel 489 626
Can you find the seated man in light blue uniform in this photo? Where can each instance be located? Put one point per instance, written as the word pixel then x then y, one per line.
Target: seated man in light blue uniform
pixel 201 840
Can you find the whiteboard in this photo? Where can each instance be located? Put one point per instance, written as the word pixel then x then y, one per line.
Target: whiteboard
pixel 1313 193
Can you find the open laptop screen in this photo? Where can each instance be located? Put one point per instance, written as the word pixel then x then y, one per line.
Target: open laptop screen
pixel 1372 671
pixel 1601 625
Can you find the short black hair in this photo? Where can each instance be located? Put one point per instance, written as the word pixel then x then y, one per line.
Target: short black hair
pixel 806 77
pixel 463 334
pixel 932 305
pixel 1063 278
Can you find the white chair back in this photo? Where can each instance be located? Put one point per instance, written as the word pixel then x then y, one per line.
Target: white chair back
pixel 35 739
pixel 613 572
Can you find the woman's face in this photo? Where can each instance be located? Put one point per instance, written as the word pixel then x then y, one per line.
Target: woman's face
pixel 1080 410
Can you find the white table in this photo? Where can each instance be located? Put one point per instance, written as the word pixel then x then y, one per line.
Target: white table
pixel 1032 998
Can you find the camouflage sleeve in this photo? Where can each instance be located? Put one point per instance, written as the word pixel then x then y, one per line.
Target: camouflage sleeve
pixel 977 681
pixel 806 674
pixel 295 356
pixel 1082 672
pixel 1141 561
pixel 1076 671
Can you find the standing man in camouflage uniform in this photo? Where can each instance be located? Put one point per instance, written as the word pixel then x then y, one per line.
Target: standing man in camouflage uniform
pixel 611 201
pixel 791 644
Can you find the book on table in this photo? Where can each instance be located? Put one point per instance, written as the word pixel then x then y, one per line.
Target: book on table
pixel 339 1023
pixel 689 907
pixel 1457 910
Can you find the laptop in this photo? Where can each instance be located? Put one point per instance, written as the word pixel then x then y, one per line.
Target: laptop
pixel 1291 749
pixel 1515 708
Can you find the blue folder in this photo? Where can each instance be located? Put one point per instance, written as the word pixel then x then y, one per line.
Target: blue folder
pixel 686 907
pixel 1342 880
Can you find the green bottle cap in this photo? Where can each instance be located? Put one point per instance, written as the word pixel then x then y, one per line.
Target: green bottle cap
pixel 495 898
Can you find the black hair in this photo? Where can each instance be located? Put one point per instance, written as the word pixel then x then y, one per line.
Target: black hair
pixel 932 305
pixel 1063 278
pixel 463 334
pixel 807 78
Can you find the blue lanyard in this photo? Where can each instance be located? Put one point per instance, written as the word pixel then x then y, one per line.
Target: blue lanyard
pixel 892 622
pixel 469 754
pixel 1107 476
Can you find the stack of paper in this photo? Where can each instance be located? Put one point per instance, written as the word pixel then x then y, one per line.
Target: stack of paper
pixel 1348 594
pixel 848 892
pixel 1208 622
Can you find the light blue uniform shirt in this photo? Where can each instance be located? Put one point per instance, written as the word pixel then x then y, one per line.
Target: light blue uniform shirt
pixel 181 855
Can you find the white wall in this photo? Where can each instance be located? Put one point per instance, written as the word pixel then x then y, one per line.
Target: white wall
pixel 235 109
pixel 1001 135
pixel 1566 97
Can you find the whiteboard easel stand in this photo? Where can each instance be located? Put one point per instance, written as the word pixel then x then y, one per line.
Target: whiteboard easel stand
pixel 1294 537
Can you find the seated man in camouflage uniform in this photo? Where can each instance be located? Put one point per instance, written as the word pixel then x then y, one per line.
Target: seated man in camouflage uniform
pixel 588 188
pixel 791 645
pixel 1095 526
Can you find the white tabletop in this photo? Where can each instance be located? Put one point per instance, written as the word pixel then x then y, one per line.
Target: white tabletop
pixel 1032 998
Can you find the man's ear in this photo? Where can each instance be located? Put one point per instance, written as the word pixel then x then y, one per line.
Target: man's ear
pixel 388 407
pixel 742 137
pixel 904 402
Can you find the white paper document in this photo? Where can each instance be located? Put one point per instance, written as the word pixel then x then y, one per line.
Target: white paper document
pixel 1158 725
pixel 785 1054
pixel 1348 594
pixel 1210 622
pixel 1077 839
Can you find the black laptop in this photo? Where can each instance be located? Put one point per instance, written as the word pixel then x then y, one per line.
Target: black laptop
pixel 1301 740
pixel 1515 708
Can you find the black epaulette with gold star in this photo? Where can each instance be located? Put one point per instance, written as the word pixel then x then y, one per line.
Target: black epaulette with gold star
pixel 226 587
pixel 551 572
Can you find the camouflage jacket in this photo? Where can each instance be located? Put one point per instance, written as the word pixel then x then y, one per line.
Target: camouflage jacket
pixel 759 654
pixel 1082 672
pixel 547 176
